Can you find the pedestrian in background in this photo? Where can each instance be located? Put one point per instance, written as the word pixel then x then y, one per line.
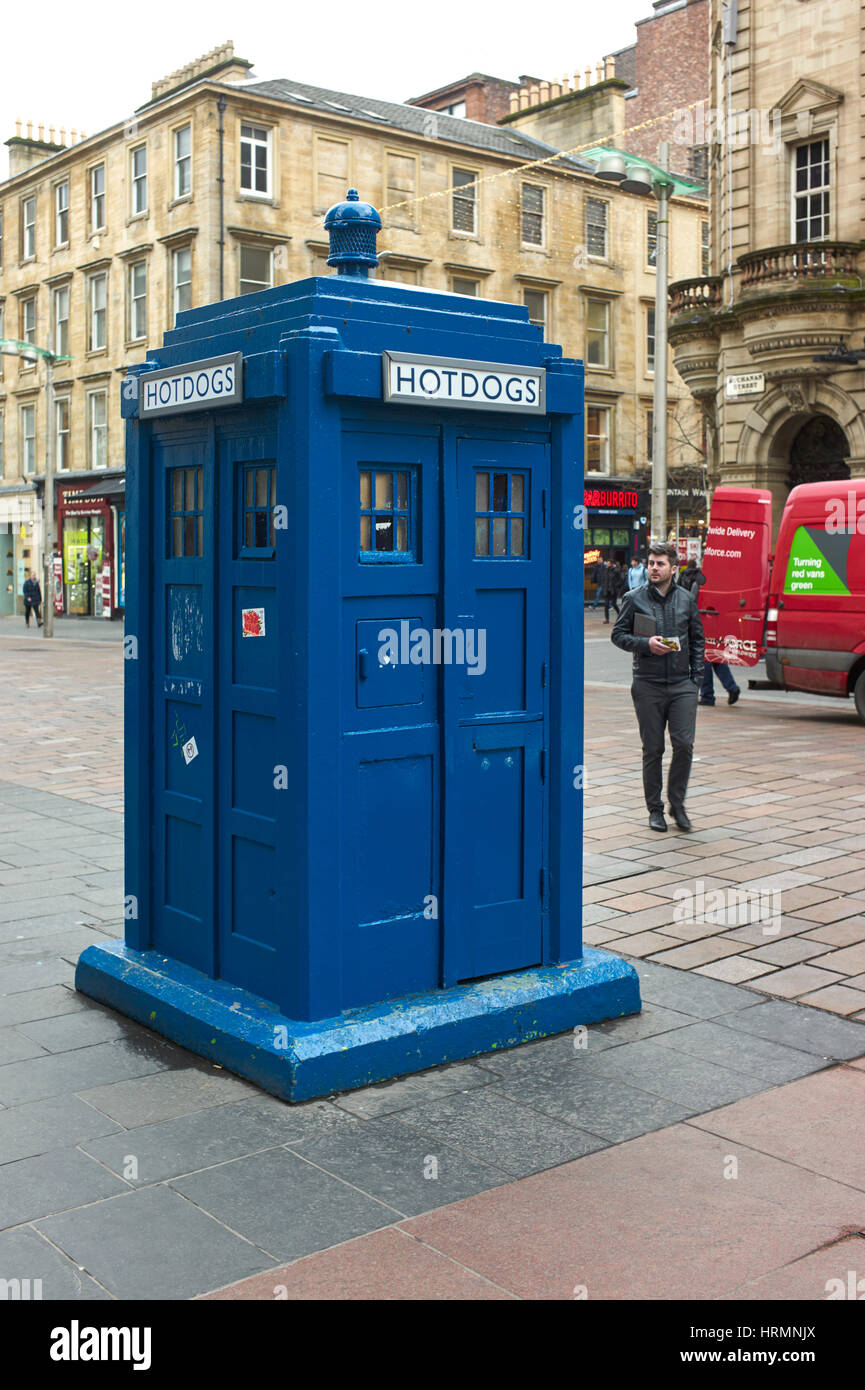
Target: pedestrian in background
pixel 637 574
pixel 661 626
pixel 614 587
pixel 32 599
pixel 725 676
pixel 598 576
pixel 692 577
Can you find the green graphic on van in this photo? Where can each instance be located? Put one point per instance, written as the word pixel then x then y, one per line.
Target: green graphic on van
pixel 817 562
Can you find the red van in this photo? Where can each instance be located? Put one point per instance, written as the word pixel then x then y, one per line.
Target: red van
pixel 803 609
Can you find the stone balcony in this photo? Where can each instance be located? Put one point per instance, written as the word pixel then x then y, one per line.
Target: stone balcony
pixel 798 265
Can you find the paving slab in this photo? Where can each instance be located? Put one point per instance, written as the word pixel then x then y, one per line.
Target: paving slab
pixel 60 1122
pixel 50 1182
pixel 27 1255
pixel 66 1072
pixel 156 1096
pixel 153 1245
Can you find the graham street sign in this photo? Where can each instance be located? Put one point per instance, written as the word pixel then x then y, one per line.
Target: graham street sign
pixel 197 386
pixel 416 379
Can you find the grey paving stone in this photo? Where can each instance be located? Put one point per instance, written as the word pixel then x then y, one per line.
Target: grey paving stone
pixel 46 933
pixel 71 1031
pixel 65 1072
pixel 594 914
pixel 613 1111
pixel 51 1182
pixel 61 1121
pixel 490 1127
pixel 401 1166
pixel 62 945
pixel 163 1095
pixel 283 1204
pixel 223 1132
pixel 560 1048
pixel 14 979
pixel 25 1254
pixel 16 1047
pixel 648 1024
pixel 689 1081
pixel 390 1096
pixel 771 1062
pixel 810 1030
pixel 687 993
pixel 40 1003
pixel 153 1244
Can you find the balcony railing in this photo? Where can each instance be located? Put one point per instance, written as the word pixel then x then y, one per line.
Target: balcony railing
pixel 807 260
pixel 690 296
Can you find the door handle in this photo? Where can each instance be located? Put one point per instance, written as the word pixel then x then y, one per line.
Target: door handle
pixel 713 612
pixel 363 663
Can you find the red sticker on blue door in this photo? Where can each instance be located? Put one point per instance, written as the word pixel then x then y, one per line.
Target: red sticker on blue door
pixel 253 622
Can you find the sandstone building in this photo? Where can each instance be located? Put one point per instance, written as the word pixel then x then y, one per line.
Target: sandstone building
pixel 785 284
pixel 216 187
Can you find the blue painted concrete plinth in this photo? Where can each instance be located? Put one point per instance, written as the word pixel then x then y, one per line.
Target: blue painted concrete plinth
pixel 299 1061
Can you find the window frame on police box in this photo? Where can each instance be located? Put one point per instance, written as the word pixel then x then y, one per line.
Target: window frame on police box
pixel 253 124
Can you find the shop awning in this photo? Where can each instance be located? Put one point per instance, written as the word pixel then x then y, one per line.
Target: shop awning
pixel 110 488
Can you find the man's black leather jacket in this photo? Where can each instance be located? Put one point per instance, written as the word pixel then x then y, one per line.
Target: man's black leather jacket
pixel 675 615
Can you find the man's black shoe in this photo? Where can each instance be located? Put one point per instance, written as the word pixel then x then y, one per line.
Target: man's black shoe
pixel 680 816
pixel 733 697
pixel 656 820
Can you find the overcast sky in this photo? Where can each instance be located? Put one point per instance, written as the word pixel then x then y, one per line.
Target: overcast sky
pixel 89 66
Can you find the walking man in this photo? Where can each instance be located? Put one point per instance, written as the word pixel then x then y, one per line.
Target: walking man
pixel 32 599
pixel 637 575
pixel 661 626
pixel 613 586
pixel 727 679
pixel 598 576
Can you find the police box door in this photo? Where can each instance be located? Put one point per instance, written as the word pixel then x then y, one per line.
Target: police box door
pixel 497 576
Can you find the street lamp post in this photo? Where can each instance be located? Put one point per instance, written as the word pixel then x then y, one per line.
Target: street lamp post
pixel 635 177
pixel 12 347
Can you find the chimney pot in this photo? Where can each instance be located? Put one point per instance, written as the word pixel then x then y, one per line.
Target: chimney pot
pixel 29 130
pixel 514 101
pixel 17 128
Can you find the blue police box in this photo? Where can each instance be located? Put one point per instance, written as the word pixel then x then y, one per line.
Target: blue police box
pixel 354 684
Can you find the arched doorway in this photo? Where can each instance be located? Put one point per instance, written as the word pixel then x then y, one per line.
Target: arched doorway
pixel 819 452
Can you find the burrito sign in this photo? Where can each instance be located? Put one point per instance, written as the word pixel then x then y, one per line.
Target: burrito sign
pixel 466 385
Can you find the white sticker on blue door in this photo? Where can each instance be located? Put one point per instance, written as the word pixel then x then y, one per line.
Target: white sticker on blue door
pixel 190 750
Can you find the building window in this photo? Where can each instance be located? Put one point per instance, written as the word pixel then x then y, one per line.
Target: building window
pixel 61 213
pixel 462 284
pixel 456 108
pixel 137 314
pixel 464 205
pixel 256 269
pixel 181 279
pixel 332 161
pixel 97 317
pixel 698 162
pixel 27 418
pixel 401 274
pixel 138 162
pixel 97 429
pixel 652 239
pixel 650 341
pixel 256 511
pixel 598 333
pixel 255 159
pixel 597 212
pixel 500 515
pixel 28 320
pixel 704 248
pixel 386 513
pixel 61 432
pixel 185 536
pixel 597 439
pixel 61 320
pixel 28 229
pixel 183 162
pixel 536 301
pixel 401 188
pixel 97 198
pixel 811 191
pixel 532 215
pixel 27 435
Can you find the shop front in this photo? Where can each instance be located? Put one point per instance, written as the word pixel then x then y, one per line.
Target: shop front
pixel 20 545
pixel 617 517
pixel 91 526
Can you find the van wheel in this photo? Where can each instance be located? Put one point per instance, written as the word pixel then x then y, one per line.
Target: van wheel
pixel 859 695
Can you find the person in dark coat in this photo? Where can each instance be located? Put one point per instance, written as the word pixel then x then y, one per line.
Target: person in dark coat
pixel 598 574
pixel 692 577
pixel 32 599
pixel 614 585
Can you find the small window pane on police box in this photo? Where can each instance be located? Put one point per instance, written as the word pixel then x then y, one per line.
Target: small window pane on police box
pixel 517 492
pixel 384 492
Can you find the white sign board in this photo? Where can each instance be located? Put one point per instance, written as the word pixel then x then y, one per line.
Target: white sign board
pixel 750 384
pixel 451 381
pixel 195 386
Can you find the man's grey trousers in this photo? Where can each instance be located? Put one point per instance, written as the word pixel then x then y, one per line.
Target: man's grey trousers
pixel 660 705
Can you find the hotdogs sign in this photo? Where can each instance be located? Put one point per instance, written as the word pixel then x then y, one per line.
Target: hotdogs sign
pixel 197 386
pixel 416 379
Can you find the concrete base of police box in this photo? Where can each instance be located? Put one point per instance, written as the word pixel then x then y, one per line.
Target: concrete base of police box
pixel 299 1061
